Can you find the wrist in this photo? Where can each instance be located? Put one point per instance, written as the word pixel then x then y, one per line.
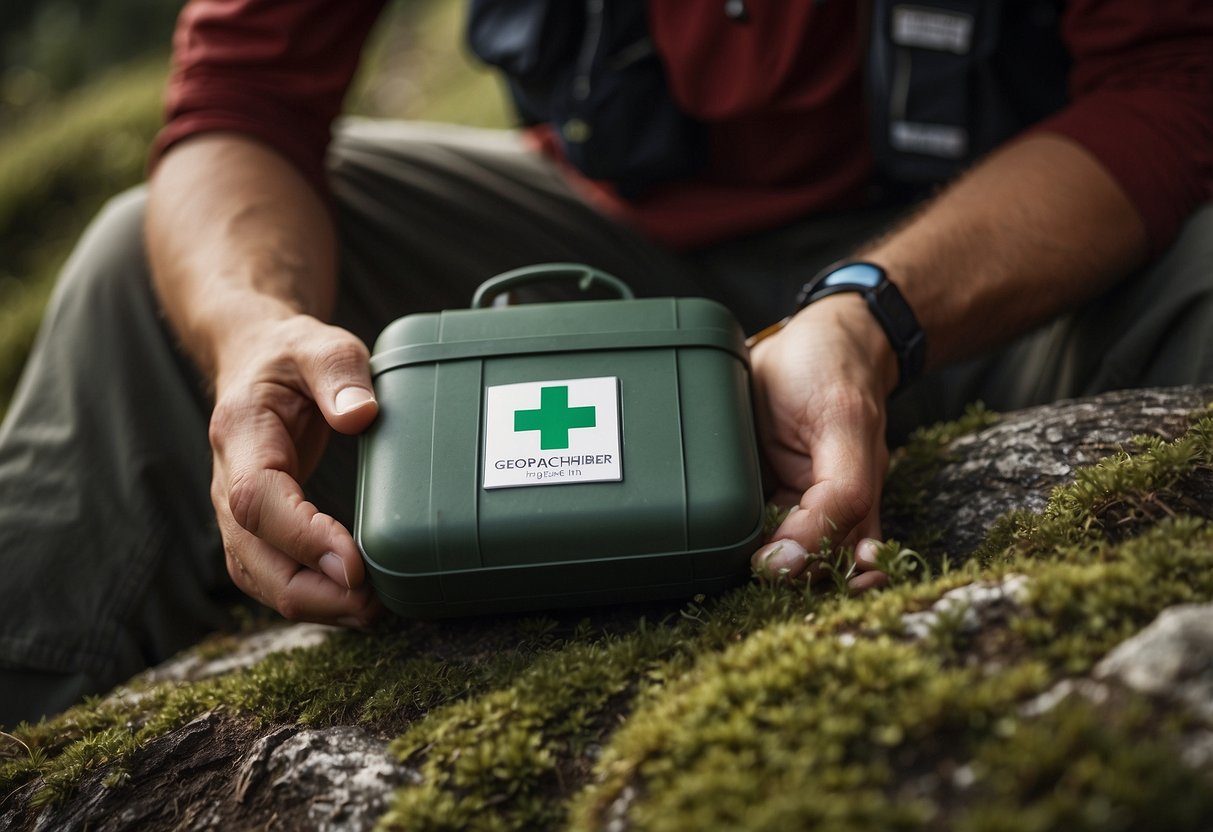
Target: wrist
pixel 885 305
pixel 847 315
pixel 250 335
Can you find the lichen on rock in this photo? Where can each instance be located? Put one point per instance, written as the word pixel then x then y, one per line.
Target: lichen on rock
pixel 990 689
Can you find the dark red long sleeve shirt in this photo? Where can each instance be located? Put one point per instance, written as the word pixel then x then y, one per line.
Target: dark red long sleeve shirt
pixel 781 96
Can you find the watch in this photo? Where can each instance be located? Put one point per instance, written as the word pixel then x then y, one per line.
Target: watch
pixel 886 304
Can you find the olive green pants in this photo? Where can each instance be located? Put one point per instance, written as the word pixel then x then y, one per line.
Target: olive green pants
pixel 109 549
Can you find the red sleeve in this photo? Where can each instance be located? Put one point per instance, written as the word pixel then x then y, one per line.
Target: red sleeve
pixel 271 70
pixel 1141 91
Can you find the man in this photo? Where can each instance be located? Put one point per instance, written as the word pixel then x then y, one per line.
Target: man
pixel 1080 235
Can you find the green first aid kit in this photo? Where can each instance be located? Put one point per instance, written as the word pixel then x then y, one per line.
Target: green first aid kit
pixel 549 455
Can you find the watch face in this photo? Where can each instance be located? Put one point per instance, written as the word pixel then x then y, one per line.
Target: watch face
pixel 854 274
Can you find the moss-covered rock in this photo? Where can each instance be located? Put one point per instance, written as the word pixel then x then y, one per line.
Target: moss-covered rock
pixel 967 696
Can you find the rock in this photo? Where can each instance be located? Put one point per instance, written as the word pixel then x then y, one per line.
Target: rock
pixel 237 767
pixel 220 773
pixel 342 775
pixel 1173 657
pixel 1171 660
pixel 969 607
pixel 193 665
pixel 1093 692
pixel 1016 463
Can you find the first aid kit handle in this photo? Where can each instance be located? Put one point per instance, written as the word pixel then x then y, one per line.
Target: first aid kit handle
pixel 586 276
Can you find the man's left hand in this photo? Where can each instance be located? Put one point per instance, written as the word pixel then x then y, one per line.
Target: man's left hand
pixel 820 387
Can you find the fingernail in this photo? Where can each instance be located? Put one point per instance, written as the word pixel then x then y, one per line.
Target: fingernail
pixel 334 567
pixel 781 556
pixel 868 580
pixel 352 398
pixel 866 551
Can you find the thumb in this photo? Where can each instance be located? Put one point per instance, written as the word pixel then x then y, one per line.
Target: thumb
pixel 339 377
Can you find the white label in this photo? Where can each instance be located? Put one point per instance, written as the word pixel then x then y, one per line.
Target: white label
pixel 937 29
pixel 552 433
pixel 942 140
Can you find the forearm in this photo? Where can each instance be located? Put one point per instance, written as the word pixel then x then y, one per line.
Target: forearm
pixel 236 238
pixel 1036 229
pixel 242 254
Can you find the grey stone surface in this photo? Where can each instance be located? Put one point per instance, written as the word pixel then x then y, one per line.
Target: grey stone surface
pixel 193 665
pixel 975 605
pixel 1015 464
pixel 342 775
pixel 1172 657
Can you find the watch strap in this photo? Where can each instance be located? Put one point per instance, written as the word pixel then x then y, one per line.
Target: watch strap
pixel 885 302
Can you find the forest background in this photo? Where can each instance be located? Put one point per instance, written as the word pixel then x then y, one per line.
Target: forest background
pixel 81 96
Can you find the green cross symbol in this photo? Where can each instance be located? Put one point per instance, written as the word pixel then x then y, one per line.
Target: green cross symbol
pixel 554 418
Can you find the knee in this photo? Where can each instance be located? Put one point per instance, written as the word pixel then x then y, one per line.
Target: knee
pixel 30 695
pixel 1192 251
pixel 111 249
pixel 108 269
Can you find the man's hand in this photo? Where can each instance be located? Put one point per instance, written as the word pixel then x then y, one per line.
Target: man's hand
pixel 297 380
pixel 1038 227
pixel 821 385
pixel 244 262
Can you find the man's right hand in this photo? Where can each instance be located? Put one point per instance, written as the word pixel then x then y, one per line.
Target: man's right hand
pixel 272 417
pixel 244 262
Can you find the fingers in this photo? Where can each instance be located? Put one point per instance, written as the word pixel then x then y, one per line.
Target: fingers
pixel 269 425
pixel 868 566
pixel 867 580
pixel 270 506
pixel 296 592
pixel 287 554
pixel 821 410
pixel 338 375
pixel 848 457
pixel 832 512
pixel 787 559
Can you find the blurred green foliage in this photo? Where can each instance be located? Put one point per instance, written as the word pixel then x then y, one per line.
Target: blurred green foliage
pixel 56 168
pixel 48 48
pixel 80 91
pixel 63 153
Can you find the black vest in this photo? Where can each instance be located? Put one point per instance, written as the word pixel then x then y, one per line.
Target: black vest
pixel 946 82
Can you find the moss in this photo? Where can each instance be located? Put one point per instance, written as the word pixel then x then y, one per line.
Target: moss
pixel 790 729
pixel 1082 767
pixel 1113 499
pixel 55 172
pixel 522 749
pixel 768 707
pixel 800 719
pixel 796 707
pixel 1100 596
pixel 383 681
pixel 771 706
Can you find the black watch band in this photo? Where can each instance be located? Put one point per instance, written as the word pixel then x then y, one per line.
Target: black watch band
pixel 886 303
